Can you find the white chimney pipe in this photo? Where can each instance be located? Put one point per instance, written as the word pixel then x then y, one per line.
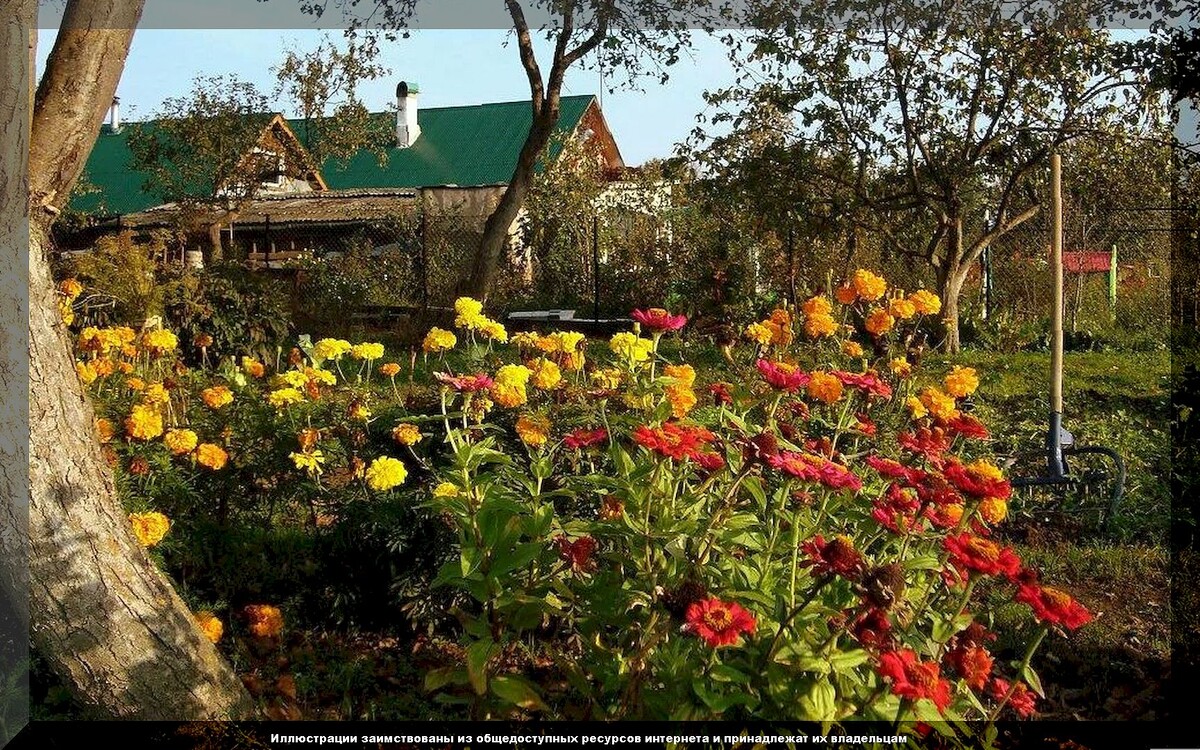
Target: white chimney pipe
pixel 408 130
pixel 114 115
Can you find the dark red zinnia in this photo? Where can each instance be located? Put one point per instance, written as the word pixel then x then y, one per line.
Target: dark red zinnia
pixel 582 438
pixel 967 426
pixel 721 394
pixel 834 557
pixel 873 629
pixel 577 552
pixel 718 623
pixel 1022 699
pixel 465 383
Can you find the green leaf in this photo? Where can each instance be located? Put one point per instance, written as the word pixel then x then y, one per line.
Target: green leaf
pixel 846 661
pixel 820 703
pixel 923 562
pixel 438 678
pixel 478 654
pixel 470 558
pixel 516 558
pixel 1034 681
pixel 726 673
pixel 518 691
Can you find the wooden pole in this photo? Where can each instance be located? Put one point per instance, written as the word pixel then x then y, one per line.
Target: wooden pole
pixel 1056 262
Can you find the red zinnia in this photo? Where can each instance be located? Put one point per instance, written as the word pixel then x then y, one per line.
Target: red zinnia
pixel 896 510
pixel 720 393
pixel 709 460
pixel 914 679
pixel 867 382
pixel 811 468
pixel 1052 606
pixel 835 557
pixel 896 470
pixel 873 629
pixel 718 623
pixel 674 440
pixel 968 427
pixel 465 383
pixel 929 443
pixel 782 376
pixel 582 438
pixel 658 319
pixel 975 484
pixel 974 553
pixel 577 552
pixel 973 662
pixel 1022 699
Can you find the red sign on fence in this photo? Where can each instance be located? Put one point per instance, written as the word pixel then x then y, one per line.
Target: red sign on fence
pixel 1086 261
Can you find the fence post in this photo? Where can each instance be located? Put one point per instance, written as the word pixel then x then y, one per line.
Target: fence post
pixel 791 256
pixel 1112 283
pixel 596 267
pixel 423 229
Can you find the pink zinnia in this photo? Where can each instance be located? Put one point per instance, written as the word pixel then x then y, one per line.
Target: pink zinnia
pixel 782 376
pixel 658 319
pixel 465 383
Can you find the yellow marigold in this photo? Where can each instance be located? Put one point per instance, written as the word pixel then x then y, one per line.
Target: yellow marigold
pixel 879 322
pixel 446 489
pixel 358 409
pixel 526 339
pixel 211 456
pixel 389 370
pixel 852 349
pixel 143 423
pixel 566 341
pixel 915 407
pixel 985 469
pixel 105 429
pixel 533 429
pixel 264 620
pixel 869 286
pixel 319 375
pixel 310 461
pixel 386 472
pixel 819 305
pixel 817 326
pixel 494 330
pixel 572 361
pixel 149 528
pixel 683 374
pixel 407 434
pixel 546 374
pixel 682 399
pixel 217 396
pixel 961 381
pixel 639 401
pixel 993 509
pixel 253 367
pixel 438 340
pixel 780 326
pixel 608 379
pixel 824 387
pixel 180 441
pixel 939 404
pixel 631 347
pixel 366 350
pixel 210 625
pixel 291 379
pixel 926 303
pixel 846 294
pixel 284 397
pixel 156 394
pixel 87 373
pixel 468 312
pixel 70 288
pixel 759 334
pixel 331 349
pixel 509 393
pixel 159 341
pixel 900 367
pixel 901 308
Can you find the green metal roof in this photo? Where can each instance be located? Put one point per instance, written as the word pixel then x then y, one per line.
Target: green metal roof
pixel 466 146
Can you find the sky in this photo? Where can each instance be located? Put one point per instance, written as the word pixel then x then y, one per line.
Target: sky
pixel 452 67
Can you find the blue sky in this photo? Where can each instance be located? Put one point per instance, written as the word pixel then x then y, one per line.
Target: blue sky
pixel 453 67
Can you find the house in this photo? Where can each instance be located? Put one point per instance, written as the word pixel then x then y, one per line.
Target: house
pixel 439 161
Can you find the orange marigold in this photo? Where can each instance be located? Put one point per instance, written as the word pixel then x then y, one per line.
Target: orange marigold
pixel 149 528
pixel 217 396
pixel 210 625
pixel 824 387
pixel 879 322
pixel 211 456
pixel 264 620
pixel 869 286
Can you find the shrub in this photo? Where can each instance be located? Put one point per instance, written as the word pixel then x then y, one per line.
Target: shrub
pixel 244 312
pixel 126 283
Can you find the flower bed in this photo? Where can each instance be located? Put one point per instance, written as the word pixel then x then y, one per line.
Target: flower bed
pixel 633 537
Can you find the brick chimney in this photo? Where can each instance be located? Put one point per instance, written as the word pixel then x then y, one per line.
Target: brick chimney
pixel 408 130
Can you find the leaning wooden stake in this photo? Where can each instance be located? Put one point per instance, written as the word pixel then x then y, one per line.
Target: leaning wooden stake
pixel 1054 438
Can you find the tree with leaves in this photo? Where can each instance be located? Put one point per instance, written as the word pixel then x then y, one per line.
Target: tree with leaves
pixel 947 110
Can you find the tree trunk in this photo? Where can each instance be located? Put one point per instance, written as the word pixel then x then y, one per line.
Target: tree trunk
pixel 216 251
pixel 486 262
pixel 104 617
pixel 950 282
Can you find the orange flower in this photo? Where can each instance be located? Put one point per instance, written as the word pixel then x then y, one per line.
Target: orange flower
pixel 210 625
pixel 217 396
pixel 868 286
pixel 265 621
pixel 824 387
pixel 961 381
pixel 927 303
pixel 879 322
pixel 846 294
pixel 149 528
pixel 211 456
pixel 105 429
pixel 391 369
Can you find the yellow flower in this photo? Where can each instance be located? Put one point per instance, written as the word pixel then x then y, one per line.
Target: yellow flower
pixel 993 509
pixel 939 404
pixel 494 330
pixel 217 396
pixel 915 407
pixel 631 347
pixel 253 367
pixel 566 341
pixel 926 303
pixel 149 528
pixel 358 409
pixel 608 379
pixel 682 398
pixel 533 429
pixel 143 423
pixel 438 340
pixel 390 370
pixel 879 322
pixel 155 394
pixel 211 456
pixel 330 349
pixel 309 461
pixel 284 397
pixel 901 308
pixel 291 378
pixel 367 351
pixel 446 489
pixel 407 434
pixel 468 312
pixel 900 367
pixel 180 441
pixel 509 385
pixel 816 326
pixel 869 286
pixel 961 381
pixel 385 472
pixel 526 339
pixel 319 375
pixel 818 305
pixel 683 374
pixel 985 470
pixel 210 625
pixel 759 334
pixel 824 387
pixel 104 367
pixel 546 374
pixel 643 401
pixel 159 341
pixel 87 373
pixel 852 349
